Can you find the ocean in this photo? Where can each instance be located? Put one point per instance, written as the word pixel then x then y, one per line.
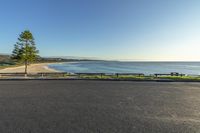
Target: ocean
pixel 147 68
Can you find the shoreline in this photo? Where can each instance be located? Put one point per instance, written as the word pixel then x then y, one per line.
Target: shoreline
pixel 33 68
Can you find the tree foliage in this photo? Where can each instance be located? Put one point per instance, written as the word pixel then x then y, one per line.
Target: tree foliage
pixel 25 49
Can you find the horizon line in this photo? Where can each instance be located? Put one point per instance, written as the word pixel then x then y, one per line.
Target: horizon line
pixel 103 59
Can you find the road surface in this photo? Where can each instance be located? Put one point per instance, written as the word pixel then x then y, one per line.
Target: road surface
pixel 81 106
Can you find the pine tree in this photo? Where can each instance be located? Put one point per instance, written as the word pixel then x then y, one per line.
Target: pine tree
pixel 17 52
pixel 25 49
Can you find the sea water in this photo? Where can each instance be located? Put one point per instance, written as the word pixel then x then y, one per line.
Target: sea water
pixel 128 67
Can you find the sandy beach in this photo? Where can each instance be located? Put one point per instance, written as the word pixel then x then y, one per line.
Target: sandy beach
pixel 34 68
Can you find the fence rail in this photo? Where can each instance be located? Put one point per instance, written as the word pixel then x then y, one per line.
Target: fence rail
pixel 64 74
pixel 129 74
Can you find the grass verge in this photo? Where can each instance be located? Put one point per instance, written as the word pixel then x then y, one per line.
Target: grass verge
pixel 129 77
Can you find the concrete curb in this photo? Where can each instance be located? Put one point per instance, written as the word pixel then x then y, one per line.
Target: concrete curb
pixel 134 80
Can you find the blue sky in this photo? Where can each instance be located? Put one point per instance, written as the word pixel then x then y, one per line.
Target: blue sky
pixel 106 29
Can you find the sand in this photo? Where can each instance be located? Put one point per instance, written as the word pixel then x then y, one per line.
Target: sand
pixel 34 68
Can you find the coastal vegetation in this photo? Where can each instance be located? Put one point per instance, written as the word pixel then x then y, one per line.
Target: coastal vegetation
pixel 5 61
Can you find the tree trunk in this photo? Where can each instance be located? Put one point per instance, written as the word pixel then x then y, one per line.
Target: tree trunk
pixel 26 61
pixel 26 68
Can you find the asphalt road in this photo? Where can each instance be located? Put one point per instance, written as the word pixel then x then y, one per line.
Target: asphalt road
pixel 59 106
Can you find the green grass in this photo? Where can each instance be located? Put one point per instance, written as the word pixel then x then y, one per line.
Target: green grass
pixel 180 77
pixel 129 77
pixel 115 77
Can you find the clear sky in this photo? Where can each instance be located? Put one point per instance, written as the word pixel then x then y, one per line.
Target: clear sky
pixel 107 29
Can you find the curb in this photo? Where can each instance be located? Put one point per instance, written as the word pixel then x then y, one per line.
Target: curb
pixel 134 80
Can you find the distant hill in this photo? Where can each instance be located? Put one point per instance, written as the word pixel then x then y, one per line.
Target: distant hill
pixel 76 58
pixel 63 59
pixel 5 60
pixel 4 57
